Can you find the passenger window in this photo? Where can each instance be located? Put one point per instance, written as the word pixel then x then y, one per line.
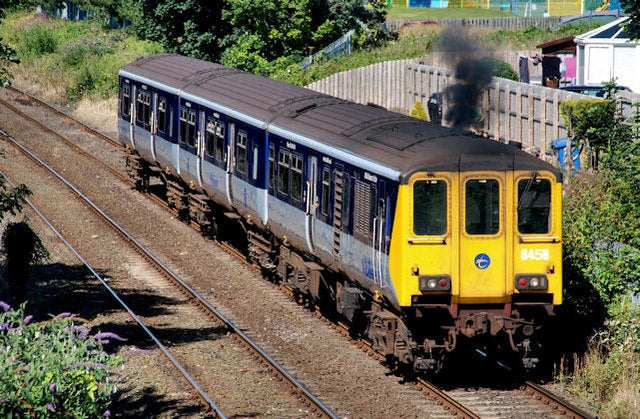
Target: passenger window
pixel 346 201
pixel 143 109
pixel 211 137
pixel 242 152
pixel 272 166
pixel 482 206
pixel 283 172
pixel 296 177
pixel 430 207
pixel 188 127
pixel 326 183
pixel 534 206
pixel 192 129
pixel 162 114
pixel 126 100
pixel 221 152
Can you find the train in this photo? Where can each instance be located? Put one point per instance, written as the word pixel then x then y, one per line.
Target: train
pixel 427 240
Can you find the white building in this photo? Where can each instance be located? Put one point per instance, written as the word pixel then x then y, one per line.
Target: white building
pixel 606 53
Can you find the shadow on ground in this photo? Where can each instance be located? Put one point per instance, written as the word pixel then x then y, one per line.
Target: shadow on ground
pixel 57 288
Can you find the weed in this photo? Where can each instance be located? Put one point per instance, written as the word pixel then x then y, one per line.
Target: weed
pixel 53 368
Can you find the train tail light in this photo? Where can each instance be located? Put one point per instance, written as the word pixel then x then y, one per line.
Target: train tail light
pixel 531 282
pixel 434 283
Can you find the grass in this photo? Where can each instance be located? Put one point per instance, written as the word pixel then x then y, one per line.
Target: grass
pixel 70 59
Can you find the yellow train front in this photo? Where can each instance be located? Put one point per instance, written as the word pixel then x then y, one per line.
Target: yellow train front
pixel 475 255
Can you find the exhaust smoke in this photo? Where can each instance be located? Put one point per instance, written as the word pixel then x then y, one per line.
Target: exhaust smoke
pixel 473 72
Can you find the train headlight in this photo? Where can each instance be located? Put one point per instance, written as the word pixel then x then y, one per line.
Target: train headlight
pixel 434 283
pixel 531 282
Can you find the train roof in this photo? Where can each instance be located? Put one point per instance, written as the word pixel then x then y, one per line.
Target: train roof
pixel 398 144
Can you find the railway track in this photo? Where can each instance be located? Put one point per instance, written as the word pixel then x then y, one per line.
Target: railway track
pixel 444 399
pixel 159 274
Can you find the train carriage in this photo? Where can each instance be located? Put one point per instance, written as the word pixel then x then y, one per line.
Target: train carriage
pixel 421 235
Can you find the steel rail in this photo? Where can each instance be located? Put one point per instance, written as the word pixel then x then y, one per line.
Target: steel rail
pixel 565 407
pixel 66 116
pixel 317 402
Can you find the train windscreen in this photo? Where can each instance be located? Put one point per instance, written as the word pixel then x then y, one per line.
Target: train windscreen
pixel 482 206
pixel 430 207
pixel 534 206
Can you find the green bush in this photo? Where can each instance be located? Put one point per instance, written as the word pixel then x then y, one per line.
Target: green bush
pixel 53 368
pixel 36 41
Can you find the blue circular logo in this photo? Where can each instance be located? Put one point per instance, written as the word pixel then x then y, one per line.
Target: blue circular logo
pixel 482 261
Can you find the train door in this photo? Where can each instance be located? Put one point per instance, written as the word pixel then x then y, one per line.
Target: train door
pixel 154 124
pixel 483 261
pixel 201 145
pixel 230 162
pixel 379 242
pixel 132 120
pixel 312 198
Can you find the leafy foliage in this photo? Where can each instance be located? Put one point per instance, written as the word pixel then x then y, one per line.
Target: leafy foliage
pixel 7 55
pixel 38 40
pixel 193 28
pixel 11 200
pixel 632 9
pixel 602 235
pixel 53 368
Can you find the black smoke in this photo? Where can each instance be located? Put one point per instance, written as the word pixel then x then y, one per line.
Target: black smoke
pixel 473 72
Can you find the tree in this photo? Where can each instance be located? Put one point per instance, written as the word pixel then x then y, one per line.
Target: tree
pixel 7 55
pixel 632 9
pixel 193 28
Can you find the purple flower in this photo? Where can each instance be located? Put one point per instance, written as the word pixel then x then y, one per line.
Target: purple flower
pixel 53 388
pixel 5 326
pixel 27 319
pixel 63 315
pixel 51 407
pixel 82 331
pixel 108 335
pixel 90 365
pixel 5 306
pixel 106 414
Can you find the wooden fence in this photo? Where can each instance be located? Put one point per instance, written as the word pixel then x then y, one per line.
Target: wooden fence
pixel 512 111
pixel 511 22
